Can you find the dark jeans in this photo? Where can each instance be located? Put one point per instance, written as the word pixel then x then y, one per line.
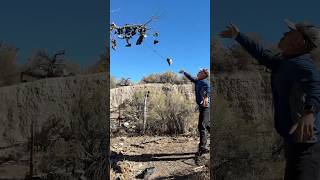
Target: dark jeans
pixel 302 161
pixel 203 125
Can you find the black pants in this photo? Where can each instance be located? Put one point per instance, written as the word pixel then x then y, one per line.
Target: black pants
pixel 203 125
pixel 302 161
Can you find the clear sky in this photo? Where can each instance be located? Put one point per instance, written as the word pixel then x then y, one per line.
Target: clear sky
pixel 79 26
pixel 184 28
pixel 263 17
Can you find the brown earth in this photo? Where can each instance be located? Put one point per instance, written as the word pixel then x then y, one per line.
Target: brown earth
pixel 171 157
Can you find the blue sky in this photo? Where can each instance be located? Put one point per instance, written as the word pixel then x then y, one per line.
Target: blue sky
pixel 184 28
pixel 79 26
pixel 263 17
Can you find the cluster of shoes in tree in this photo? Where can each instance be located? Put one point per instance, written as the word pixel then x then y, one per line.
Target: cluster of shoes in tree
pixel 129 31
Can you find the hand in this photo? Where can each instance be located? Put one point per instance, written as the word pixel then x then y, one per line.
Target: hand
pixel 232 31
pixel 205 102
pixel 304 127
pixel 181 71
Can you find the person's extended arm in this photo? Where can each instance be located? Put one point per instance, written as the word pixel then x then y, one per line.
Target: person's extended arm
pixel 263 56
pixel 192 79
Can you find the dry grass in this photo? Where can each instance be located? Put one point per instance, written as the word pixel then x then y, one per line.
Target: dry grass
pixel 167 114
pixel 241 150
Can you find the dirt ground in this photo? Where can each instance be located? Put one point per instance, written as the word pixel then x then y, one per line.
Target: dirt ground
pixel 171 157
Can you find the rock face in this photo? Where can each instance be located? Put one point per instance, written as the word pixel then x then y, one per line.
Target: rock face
pixel 249 94
pixel 120 94
pixel 40 99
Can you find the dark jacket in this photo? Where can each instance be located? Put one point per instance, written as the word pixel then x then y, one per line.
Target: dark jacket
pixel 202 88
pixel 295 82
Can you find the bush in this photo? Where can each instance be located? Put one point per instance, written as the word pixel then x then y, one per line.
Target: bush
pixel 113 82
pixel 232 58
pixel 82 142
pixel 168 113
pixel 166 77
pixel 89 126
pixel 241 150
pixel 99 66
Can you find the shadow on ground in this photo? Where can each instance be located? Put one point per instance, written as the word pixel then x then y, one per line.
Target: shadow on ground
pixel 197 175
pixel 151 157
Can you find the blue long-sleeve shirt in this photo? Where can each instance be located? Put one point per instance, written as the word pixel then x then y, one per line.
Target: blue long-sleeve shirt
pixel 295 82
pixel 202 88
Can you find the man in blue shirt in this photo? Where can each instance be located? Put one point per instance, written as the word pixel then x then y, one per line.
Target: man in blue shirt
pixel 295 84
pixel 202 90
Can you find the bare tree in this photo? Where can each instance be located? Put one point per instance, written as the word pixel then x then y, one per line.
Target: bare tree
pixel 42 65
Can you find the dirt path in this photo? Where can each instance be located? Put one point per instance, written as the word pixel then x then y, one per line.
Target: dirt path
pixel 171 157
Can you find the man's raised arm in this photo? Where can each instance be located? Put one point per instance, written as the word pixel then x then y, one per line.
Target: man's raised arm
pixel 192 79
pixel 263 56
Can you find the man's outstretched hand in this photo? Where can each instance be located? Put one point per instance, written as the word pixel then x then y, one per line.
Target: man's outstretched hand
pixel 181 71
pixel 303 129
pixel 232 31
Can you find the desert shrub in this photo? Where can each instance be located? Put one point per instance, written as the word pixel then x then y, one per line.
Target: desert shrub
pixel 99 66
pixel 81 145
pixel 90 129
pixel 242 58
pixel 229 59
pixel 242 151
pixel 166 77
pixel 51 131
pixel 113 82
pixel 233 57
pixel 167 113
pixel 71 67
pixel 221 61
pixel 133 109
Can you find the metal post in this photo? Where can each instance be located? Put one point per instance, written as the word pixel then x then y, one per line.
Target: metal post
pixel 145 112
pixel 31 148
pixel 119 109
